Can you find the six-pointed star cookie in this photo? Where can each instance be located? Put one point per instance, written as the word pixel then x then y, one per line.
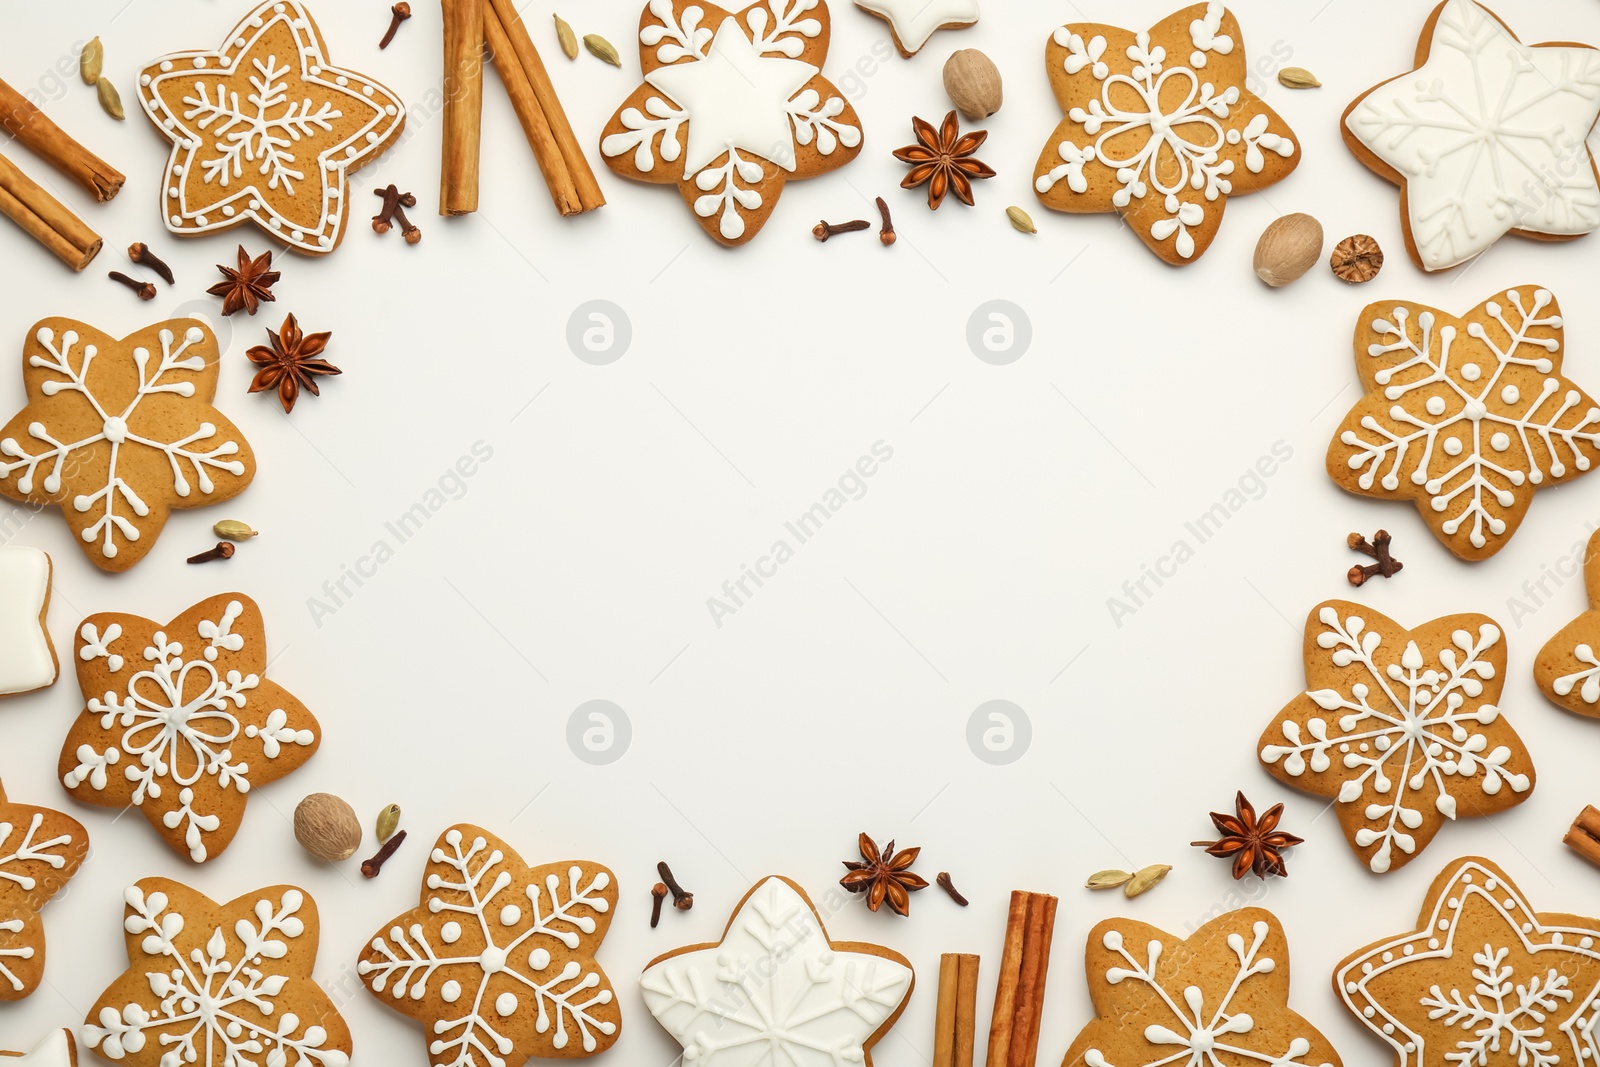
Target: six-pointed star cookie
pixel 40 851
pixel 28 661
pixel 733 107
pixel 1567 669
pixel 1160 128
pixel 1221 997
pixel 1483 981
pixel 1400 728
pixel 912 22
pixel 1465 416
pixel 498 960
pixel 775 989
pixel 265 128
pixel 179 722
pixel 1486 137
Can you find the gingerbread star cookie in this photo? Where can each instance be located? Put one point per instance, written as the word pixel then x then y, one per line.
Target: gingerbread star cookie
pixel 776 986
pixel 1400 728
pixel 218 985
pixel 1467 416
pixel 57 1049
pixel 119 432
pixel 497 962
pixel 1567 669
pixel 28 661
pixel 1161 128
pixel 733 107
pixel 912 22
pixel 1220 997
pixel 40 851
pixel 180 723
pixel 1486 137
pixel 265 128
pixel 1483 981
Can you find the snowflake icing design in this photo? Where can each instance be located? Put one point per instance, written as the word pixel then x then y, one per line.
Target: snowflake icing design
pixel 213 985
pixel 184 737
pixel 40 851
pixel 1488 136
pixel 775 989
pixel 498 961
pixel 1169 141
pixel 1567 669
pixel 1401 745
pixel 1466 416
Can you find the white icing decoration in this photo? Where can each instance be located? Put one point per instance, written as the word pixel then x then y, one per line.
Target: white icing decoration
pixel 774 990
pixel 1489 136
pixel 56 1050
pixel 1589 676
pixel 914 21
pixel 13 855
pixel 26 662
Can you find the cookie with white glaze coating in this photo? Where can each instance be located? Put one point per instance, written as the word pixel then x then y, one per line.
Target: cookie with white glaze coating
pixel 913 22
pixel 27 655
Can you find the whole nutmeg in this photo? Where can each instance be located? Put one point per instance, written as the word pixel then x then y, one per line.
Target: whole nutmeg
pixel 973 82
pixel 1288 248
pixel 327 827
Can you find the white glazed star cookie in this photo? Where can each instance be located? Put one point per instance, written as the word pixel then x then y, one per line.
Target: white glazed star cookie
pixel 912 22
pixel 27 655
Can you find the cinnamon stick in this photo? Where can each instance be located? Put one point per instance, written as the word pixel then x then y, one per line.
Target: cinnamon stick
pixel 944 1019
pixel 966 1008
pixel 44 217
pixel 34 129
pixel 1005 993
pixel 1035 965
pixel 1584 837
pixel 463 106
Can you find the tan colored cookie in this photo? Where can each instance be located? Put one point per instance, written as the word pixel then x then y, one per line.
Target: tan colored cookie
pixel 1222 996
pixel 1399 727
pixel 1186 80
pixel 777 981
pixel 40 851
pixel 912 22
pixel 734 106
pixel 119 432
pixel 497 961
pixel 1485 137
pixel 1483 980
pixel 265 128
pixel 27 655
pixel 57 1049
pixel 218 985
pixel 180 723
pixel 1467 416
pixel 1567 669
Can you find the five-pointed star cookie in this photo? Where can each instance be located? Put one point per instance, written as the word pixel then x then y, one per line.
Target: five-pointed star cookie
pixel 775 989
pixel 40 851
pixel 179 721
pixel 1467 416
pixel 1400 728
pixel 1567 669
pixel 265 128
pixel 1486 137
pixel 117 433
pixel 1161 128
pixel 912 22
pixel 1221 997
pixel 1483 981
pixel 29 658
pixel 497 962
pixel 734 105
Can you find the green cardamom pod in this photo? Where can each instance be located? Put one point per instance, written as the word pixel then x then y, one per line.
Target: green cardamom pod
pixel 388 822
pixel 90 60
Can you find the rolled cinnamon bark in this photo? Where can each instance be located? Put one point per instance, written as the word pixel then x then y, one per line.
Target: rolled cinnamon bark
pixel 1584 837
pixel 35 131
pixel 26 203
pixel 463 106
pixel 1005 993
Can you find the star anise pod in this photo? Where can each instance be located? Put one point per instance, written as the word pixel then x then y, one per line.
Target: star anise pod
pixel 1255 842
pixel 943 159
pixel 884 875
pixel 245 288
pixel 290 363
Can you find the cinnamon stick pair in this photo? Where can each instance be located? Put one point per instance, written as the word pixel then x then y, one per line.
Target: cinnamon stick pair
pixel 956 1018
pixel 1019 997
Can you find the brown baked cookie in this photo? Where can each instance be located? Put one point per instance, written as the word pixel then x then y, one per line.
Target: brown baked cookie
pixel 497 961
pixel 1222 996
pixel 912 22
pixel 1483 980
pixel 117 433
pixel 1161 128
pixel 733 107
pixel 1399 727
pixel 40 851
pixel 776 981
pixel 1467 416
pixel 1567 669
pixel 179 721
pixel 29 660
pixel 218 985
pixel 265 128
pixel 57 1049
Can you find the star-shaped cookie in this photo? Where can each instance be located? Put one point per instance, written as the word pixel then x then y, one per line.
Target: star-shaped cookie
pixel 776 989
pixel 497 962
pixel 40 851
pixel 56 1049
pixel 265 128
pixel 1161 128
pixel 1567 669
pixel 29 661
pixel 1483 981
pixel 1486 137
pixel 912 22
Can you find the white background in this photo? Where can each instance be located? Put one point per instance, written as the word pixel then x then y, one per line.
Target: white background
pixel 578 562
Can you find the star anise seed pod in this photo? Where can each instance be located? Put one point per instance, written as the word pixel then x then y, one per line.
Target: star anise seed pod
pixel 944 160
pixel 884 875
pixel 1255 843
pixel 244 289
pixel 290 363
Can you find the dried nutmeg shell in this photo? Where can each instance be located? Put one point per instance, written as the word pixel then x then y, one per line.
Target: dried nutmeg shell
pixel 973 82
pixel 327 827
pixel 1288 248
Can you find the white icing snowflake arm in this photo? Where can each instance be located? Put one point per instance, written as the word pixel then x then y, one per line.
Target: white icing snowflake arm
pixel 674 39
pixel 1589 676
pixel 664 122
pixel 1500 1013
pixel 72 381
pixel 814 118
pixel 723 194
pixel 786 32
pixel 29 850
